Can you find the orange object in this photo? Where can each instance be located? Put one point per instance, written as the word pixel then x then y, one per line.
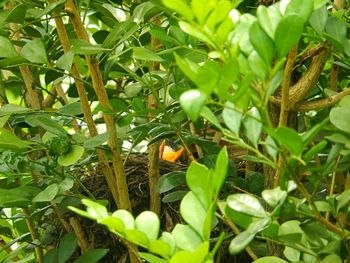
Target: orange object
pixel 166 153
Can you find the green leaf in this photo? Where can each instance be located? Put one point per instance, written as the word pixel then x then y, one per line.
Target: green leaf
pixel 9 141
pixel 174 196
pixel 126 217
pixel 193 212
pixel 333 258
pixel 290 139
pixel 96 140
pixel 186 238
pixel 45 122
pixel 180 7
pixel 18 13
pixel 270 260
pixel 145 54
pixel 262 43
pixel 288 33
pixel 92 256
pixel 269 19
pixel 252 125
pixel 198 180
pixel 67 246
pixel 170 181
pixel 65 185
pixel 159 247
pixel 117 32
pixel 274 197
pixel 318 19
pixel 192 101
pixel 207 114
pixel 292 254
pixel 17 197
pixel 65 61
pixel 336 28
pixel 6 48
pixel 221 168
pixel 137 237
pixel 343 199
pixel 35 52
pixel 12 109
pixel 82 47
pixel 113 224
pixel 195 32
pixel 207 76
pixel 72 109
pixel 148 223
pixel 303 8
pixel 72 156
pixel 232 117
pixel 181 257
pixel 202 11
pixel 240 242
pixel 246 204
pixel 340 117
pixel 48 194
pixel 189 68
pixel 152 258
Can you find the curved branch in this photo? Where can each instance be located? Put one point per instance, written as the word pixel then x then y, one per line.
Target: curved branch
pixel 322 103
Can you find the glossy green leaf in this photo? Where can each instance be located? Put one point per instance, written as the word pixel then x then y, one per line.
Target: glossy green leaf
pixel 45 122
pixel 240 242
pixel 208 115
pixel 318 19
pixel 65 185
pixel 257 65
pixel 145 54
pixel 221 169
pixel 13 109
pixel 292 254
pixel 72 156
pixel 343 199
pixel 6 48
pixel 192 101
pixel 152 258
pixel 159 247
pixel 148 223
pixel 67 246
pixel 35 52
pixel 181 257
pixel 95 209
pixel 113 224
pixel 180 7
pixel 336 28
pixel 232 117
pixel 174 196
pixel 270 260
pixel 207 76
pixel 193 212
pixel 275 196
pixel 96 140
pixel 201 253
pixel 302 8
pixel 188 67
pixel 195 32
pixel 92 256
pixel 333 258
pixel 18 13
pixel 262 43
pixel 340 118
pixel 288 33
pixel 289 139
pixel 171 180
pixel 9 141
pixel 201 11
pixel 186 238
pixel 252 125
pixel 126 217
pixel 269 19
pixel 137 237
pixel 17 197
pixel 246 204
pixel 198 180
pixel 48 194
pixel 72 109
pixel 82 47
pixel 170 240
pixel 65 61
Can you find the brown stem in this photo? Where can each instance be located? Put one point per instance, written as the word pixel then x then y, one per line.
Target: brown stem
pixel 103 161
pixel 35 236
pixel 333 80
pixel 322 103
pixel 97 83
pixel 153 149
pixel 81 237
pixel 284 111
